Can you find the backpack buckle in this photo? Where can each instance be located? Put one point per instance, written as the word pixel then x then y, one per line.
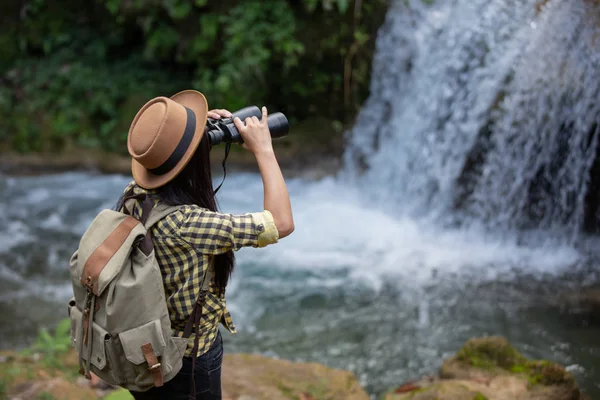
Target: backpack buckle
pixel 154 367
pixel 153 364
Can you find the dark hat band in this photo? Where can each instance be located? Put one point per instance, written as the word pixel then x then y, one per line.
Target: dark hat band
pixel 182 146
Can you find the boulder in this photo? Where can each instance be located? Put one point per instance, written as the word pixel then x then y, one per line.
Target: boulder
pixel 491 369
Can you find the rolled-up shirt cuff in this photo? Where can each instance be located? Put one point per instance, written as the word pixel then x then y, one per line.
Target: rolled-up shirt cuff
pixel 265 228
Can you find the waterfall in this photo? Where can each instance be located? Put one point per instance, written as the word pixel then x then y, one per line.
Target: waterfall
pixel 485 111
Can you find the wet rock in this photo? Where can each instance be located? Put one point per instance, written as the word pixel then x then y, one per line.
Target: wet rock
pixel 491 369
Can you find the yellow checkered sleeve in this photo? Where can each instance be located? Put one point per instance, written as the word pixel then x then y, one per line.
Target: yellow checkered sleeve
pixel 185 242
pixel 216 233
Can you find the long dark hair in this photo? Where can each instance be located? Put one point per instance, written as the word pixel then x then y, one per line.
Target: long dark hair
pixel 193 185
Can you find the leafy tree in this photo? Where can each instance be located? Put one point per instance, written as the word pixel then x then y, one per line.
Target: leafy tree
pixel 73 73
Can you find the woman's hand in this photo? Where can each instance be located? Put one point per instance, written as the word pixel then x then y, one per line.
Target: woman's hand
pixel 256 134
pixel 218 114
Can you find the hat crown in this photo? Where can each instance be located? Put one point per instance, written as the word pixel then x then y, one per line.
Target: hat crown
pixel 164 136
pixel 142 136
pixel 156 130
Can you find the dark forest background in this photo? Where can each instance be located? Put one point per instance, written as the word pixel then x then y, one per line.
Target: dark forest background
pixel 73 73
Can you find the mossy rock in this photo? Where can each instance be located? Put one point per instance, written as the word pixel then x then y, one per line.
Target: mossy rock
pixel 490 353
pixel 492 358
pixel 548 373
pixel 495 356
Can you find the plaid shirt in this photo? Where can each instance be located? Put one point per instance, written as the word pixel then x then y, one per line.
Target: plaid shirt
pixel 185 242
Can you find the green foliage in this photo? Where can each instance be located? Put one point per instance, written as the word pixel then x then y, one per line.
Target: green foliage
pixel 3 395
pixel 45 396
pixel 74 73
pixel 119 395
pixel 65 103
pixel 52 346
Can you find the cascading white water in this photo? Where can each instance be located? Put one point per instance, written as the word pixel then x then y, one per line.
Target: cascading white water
pixel 488 108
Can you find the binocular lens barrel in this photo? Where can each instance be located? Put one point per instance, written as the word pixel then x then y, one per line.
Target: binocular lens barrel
pixel 278 125
pixel 247 112
pixel 224 130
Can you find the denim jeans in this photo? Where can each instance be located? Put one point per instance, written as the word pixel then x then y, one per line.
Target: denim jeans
pixel 207 375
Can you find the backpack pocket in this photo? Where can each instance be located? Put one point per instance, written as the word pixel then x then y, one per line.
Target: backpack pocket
pixel 127 348
pixel 133 340
pixel 97 343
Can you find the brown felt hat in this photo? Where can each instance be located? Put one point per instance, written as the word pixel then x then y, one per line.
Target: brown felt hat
pixel 164 135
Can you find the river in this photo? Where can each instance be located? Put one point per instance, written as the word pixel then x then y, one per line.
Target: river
pixel 354 288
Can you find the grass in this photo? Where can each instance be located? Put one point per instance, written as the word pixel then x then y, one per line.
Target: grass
pixel 319 391
pixel 45 396
pixel 119 395
pixel 51 346
pixel 3 385
pixel 287 392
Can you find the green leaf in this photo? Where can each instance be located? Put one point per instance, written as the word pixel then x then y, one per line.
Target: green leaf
pixel 361 37
pixel 63 329
pixel 311 5
pixel 113 6
pixel 200 3
pixel 179 11
pixel 342 6
pixel 119 395
pixel 45 339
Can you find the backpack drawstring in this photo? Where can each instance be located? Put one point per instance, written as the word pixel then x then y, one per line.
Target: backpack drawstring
pixel 196 316
pixel 90 338
pixel 86 334
pixel 81 337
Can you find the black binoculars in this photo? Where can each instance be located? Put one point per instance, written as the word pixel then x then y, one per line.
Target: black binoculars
pixel 224 131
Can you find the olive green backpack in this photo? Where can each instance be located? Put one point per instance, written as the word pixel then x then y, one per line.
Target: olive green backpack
pixel 120 325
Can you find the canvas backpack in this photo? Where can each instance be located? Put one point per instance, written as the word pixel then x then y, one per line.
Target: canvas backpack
pixel 120 325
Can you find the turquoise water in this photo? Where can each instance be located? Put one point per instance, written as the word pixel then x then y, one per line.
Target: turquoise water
pixel 352 288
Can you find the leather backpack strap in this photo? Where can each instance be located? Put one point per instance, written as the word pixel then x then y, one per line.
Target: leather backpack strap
pixel 194 322
pixel 130 201
pixel 153 365
pixel 150 216
pixel 197 310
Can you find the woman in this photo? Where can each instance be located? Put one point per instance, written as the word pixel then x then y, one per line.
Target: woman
pixel 171 163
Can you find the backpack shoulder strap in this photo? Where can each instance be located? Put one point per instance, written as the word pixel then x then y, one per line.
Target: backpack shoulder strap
pixel 158 213
pixel 150 216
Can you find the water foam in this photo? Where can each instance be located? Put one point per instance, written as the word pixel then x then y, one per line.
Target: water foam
pixel 337 231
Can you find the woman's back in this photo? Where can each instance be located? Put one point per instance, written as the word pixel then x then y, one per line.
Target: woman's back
pixel 185 243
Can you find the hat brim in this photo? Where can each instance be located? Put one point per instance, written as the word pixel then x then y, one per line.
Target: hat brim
pixel 196 102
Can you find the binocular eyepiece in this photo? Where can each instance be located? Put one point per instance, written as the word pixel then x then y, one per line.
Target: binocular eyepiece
pixel 224 131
